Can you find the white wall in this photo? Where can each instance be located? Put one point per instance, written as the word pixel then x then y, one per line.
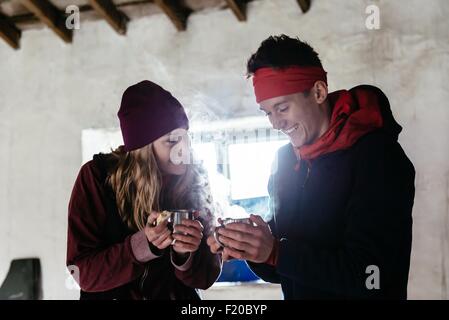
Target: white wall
pixel 50 91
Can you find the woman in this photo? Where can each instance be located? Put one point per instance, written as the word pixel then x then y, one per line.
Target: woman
pixel 113 239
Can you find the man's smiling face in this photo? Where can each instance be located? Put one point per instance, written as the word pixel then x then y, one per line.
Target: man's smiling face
pixel 296 115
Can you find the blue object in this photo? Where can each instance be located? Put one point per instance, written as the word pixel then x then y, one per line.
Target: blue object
pixel 236 271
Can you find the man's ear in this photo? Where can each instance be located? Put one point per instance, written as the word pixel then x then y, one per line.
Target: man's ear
pixel 320 92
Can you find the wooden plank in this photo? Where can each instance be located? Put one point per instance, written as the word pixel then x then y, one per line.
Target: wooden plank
pixel 177 13
pixel 116 18
pixel 239 8
pixel 9 32
pixel 51 16
pixel 304 4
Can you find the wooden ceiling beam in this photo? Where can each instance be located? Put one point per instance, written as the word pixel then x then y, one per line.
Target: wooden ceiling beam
pixel 116 18
pixel 239 8
pixel 304 5
pixel 9 32
pixel 177 13
pixel 51 16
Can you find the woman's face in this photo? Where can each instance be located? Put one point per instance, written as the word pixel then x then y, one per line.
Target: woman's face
pixel 173 152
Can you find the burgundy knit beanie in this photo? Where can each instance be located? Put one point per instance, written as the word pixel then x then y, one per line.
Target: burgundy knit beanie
pixel 147 112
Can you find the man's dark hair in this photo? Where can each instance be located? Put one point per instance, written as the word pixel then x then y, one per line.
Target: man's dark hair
pixel 280 52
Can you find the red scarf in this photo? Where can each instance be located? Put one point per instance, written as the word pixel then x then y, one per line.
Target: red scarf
pixel 352 117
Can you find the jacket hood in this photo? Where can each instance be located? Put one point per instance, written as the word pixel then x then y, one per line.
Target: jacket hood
pixel 389 126
pixel 354 113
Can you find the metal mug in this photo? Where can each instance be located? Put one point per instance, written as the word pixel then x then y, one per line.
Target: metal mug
pixel 226 222
pixel 177 216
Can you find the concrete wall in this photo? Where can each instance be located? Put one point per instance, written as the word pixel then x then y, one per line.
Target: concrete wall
pixel 50 91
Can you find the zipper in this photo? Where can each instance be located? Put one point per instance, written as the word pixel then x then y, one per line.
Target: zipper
pixel 142 281
pixel 307 175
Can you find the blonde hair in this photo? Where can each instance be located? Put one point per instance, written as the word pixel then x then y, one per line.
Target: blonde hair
pixel 138 187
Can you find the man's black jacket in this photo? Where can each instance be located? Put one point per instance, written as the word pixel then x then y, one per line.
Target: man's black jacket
pixel 343 217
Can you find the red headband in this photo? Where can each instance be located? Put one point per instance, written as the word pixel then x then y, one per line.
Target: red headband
pixel 269 83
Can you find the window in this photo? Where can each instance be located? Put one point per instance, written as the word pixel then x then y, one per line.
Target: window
pixel 239 169
pixel 250 167
pixel 206 153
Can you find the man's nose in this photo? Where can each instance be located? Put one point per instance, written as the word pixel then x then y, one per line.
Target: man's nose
pixel 278 123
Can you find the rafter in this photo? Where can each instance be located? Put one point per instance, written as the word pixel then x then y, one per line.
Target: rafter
pixel 51 16
pixel 239 8
pixel 107 9
pixel 304 4
pixel 9 32
pixel 177 13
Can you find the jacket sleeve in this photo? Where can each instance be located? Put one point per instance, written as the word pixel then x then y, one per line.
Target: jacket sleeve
pixel 378 228
pixel 201 269
pixel 100 266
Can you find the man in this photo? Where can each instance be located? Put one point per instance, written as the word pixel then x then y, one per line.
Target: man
pixel 343 190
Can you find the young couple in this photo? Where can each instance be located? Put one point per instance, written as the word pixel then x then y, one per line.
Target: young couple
pixel 342 195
